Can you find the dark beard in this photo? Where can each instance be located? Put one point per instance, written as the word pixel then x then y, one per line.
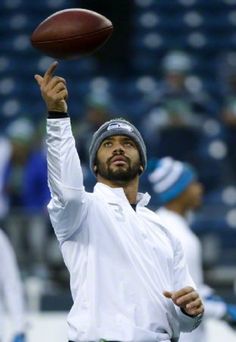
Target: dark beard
pixel 121 175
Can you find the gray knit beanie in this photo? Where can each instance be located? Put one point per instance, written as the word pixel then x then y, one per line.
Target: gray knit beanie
pixel 117 126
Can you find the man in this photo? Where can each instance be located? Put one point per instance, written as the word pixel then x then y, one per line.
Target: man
pixel 179 192
pixel 24 185
pixel 129 281
pixel 177 114
pixel 11 299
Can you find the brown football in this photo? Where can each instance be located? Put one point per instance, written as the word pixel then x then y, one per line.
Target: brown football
pixel 71 33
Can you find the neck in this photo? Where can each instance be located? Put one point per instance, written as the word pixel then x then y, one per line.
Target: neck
pixel 176 207
pixel 130 188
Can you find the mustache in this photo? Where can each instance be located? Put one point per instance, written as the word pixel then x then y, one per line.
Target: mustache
pixel 126 159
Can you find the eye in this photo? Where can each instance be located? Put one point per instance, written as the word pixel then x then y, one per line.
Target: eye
pixel 107 144
pixel 129 143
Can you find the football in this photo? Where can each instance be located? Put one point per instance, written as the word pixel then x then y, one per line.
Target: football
pixel 71 33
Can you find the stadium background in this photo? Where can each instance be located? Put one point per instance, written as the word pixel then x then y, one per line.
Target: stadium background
pixel 124 73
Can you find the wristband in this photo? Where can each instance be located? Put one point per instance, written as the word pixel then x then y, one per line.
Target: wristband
pixel 57 115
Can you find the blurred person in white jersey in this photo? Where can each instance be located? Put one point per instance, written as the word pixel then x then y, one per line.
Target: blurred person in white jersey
pixel 129 280
pixel 12 301
pixel 179 192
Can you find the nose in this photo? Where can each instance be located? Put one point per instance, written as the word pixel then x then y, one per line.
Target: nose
pixel 118 148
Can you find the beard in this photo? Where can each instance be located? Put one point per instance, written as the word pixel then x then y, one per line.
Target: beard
pixel 120 174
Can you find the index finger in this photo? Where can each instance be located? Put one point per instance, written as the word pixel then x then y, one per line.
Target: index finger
pixel 182 292
pixel 49 73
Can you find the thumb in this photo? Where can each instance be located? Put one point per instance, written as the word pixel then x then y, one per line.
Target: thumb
pixel 167 294
pixel 39 79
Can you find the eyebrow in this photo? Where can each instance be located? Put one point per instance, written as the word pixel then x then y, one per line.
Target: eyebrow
pixel 124 138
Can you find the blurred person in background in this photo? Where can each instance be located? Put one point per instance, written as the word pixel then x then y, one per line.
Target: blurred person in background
pixel 173 125
pixel 179 192
pixel 97 111
pixel 228 108
pixel 27 194
pixel 12 301
pixel 5 153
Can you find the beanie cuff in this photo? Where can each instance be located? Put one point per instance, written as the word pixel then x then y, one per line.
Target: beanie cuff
pixel 176 189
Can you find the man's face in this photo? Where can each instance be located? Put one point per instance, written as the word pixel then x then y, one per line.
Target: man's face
pixel 118 159
pixel 192 196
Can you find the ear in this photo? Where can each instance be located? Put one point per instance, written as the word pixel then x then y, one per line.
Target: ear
pixel 95 168
pixel 141 169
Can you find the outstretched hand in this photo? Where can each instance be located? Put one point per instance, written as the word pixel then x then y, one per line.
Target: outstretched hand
pixel 187 299
pixel 53 89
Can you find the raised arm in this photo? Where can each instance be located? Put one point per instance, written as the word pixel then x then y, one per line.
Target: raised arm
pixel 68 204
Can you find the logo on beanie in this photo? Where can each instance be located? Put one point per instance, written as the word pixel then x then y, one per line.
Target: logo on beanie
pixel 119 125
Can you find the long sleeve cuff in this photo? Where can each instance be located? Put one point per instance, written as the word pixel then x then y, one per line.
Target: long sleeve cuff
pixel 57 115
pixel 188 323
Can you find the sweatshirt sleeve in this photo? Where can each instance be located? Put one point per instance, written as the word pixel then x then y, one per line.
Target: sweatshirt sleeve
pixel 182 279
pixel 69 201
pixel 11 286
